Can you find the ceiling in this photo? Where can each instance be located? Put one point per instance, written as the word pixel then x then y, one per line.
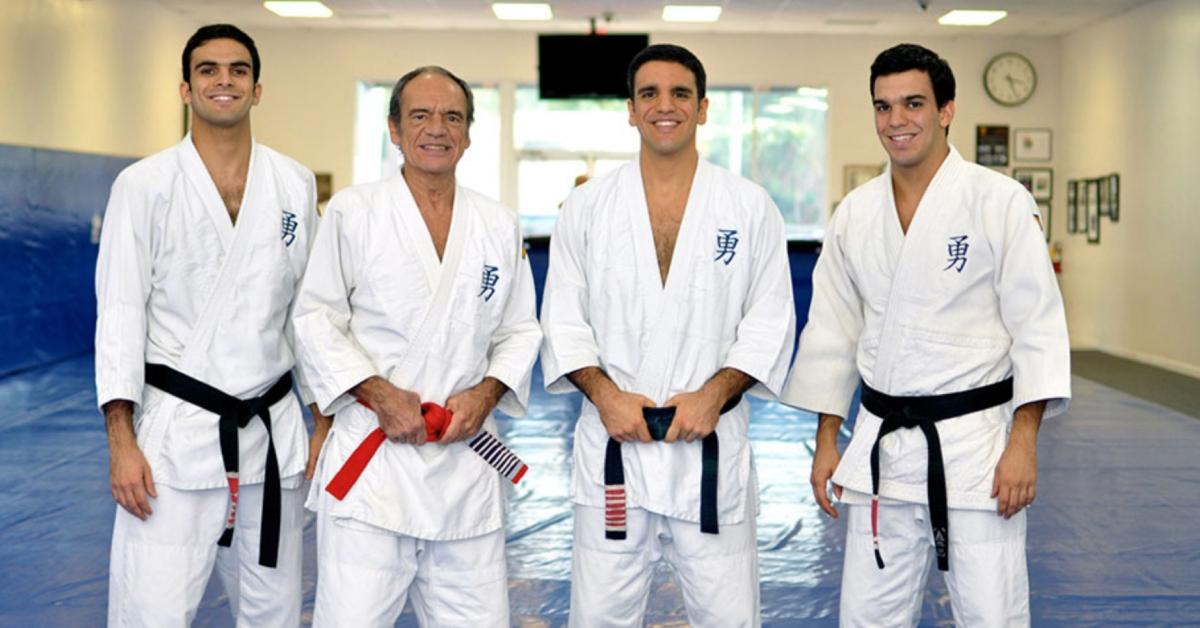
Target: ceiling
pixel 1025 17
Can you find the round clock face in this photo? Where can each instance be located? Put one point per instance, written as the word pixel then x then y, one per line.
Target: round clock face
pixel 1009 79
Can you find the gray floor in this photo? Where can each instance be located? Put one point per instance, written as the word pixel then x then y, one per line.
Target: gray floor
pixel 1166 388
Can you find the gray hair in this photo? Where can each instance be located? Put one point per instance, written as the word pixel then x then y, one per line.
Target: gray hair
pixel 394 105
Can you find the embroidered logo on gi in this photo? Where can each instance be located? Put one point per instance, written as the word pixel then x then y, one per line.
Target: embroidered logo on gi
pixel 490 277
pixel 289 228
pixel 957 250
pixel 727 242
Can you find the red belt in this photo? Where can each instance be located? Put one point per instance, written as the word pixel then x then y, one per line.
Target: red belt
pixel 437 419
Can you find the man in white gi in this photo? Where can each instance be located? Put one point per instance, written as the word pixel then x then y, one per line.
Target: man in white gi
pixel 418 292
pixel 668 296
pixel 935 291
pixel 202 251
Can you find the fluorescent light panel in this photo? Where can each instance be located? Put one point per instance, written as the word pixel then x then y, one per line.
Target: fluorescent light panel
pixel 522 11
pixel 691 13
pixel 298 8
pixel 959 17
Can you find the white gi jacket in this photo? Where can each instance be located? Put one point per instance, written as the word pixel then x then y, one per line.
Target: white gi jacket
pixel 967 298
pixel 377 301
pixel 177 283
pixel 727 303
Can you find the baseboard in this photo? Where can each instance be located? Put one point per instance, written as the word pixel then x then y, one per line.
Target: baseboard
pixel 1175 366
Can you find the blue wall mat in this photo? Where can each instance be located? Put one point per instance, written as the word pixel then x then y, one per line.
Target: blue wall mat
pixel 47 258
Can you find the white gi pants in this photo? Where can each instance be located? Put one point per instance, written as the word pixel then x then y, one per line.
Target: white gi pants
pixel 988 580
pixel 159 567
pixel 366 573
pixel 610 579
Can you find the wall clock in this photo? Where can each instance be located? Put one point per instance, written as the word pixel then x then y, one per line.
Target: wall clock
pixel 1009 79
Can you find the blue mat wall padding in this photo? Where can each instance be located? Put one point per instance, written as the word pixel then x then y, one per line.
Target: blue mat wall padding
pixel 48 199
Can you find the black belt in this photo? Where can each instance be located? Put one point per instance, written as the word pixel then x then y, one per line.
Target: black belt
pixel 922 412
pixel 235 413
pixel 658 420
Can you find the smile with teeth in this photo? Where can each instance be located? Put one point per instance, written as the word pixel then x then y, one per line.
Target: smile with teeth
pixel 666 125
pixel 902 138
pixel 435 147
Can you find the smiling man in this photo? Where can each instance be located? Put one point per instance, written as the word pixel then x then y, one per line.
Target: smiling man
pixel 418 292
pixel 668 296
pixel 203 249
pixel 935 292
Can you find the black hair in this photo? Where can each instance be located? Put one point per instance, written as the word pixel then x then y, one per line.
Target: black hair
pixel 219 31
pixel 394 105
pixel 674 54
pixel 905 57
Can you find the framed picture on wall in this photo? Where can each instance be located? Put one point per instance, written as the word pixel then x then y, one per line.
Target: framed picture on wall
pixel 1044 210
pixel 991 145
pixel 1073 206
pixel 1093 210
pixel 1031 145
pixel 1039 181
pixel 858 174
pixel 1113 183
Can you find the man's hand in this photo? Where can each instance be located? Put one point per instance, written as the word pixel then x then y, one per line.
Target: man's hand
pixel 129 476
pixel 696 415
pixel 620 412
pixel 825 461
pixel 399 410
pixel 321 427
pixel 1015 483
pixel 471 407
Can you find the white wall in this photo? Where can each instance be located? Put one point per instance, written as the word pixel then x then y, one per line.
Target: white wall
pixel 309 78
pixel 1130 90
pixel 90 75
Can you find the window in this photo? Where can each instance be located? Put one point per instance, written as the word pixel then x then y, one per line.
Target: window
pixel 774 136
pixel 558 141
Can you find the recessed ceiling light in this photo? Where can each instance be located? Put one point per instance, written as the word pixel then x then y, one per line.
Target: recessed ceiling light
pixel 959 17
pixel 691 13
pixel 524 11
pixel 298 8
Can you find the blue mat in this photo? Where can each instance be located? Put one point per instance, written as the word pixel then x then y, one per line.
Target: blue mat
pixel 1112 541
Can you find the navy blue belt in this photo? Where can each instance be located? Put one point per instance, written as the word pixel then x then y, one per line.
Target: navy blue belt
pixel 235 413
pixel 658 421
pixel 922 412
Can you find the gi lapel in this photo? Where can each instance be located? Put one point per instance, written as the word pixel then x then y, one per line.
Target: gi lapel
pixel 441 275
pixel 237 242
pixel 906 275
pixel 665 302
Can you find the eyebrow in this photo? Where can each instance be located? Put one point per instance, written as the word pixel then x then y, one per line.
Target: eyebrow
pixel 683 88
pixel 428 110
pixel 908 98
pixel 235 64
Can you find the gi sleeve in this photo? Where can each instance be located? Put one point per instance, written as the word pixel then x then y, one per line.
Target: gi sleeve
pixel 122 290
pixel 1032 310
pixel 332 360
pixel 310 222
pixel 825 373
pixel 767 331
pixel 515 342
pixel 570 342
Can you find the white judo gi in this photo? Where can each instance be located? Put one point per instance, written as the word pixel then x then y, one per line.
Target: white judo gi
pixel 727 302
pixel 967 298
pixel 178 284
pixel 377 301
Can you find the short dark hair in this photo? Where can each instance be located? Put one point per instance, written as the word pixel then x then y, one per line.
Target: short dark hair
pixel 674 54
pixel 219 31
pixel 394 104
pixel 905 57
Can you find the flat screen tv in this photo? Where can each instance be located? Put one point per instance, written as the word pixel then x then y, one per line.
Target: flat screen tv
pixel 586 66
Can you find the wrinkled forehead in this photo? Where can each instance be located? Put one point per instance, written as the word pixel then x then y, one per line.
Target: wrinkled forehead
pixel 435 92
